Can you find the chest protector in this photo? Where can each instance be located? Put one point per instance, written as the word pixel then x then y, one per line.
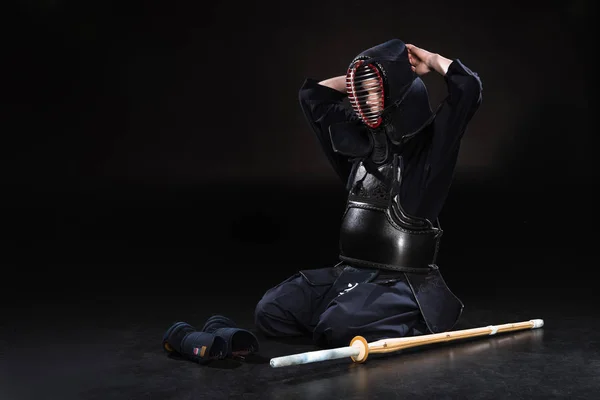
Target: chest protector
pixel 377 233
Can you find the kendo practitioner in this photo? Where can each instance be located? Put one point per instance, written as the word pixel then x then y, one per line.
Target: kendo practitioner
pixel 397 158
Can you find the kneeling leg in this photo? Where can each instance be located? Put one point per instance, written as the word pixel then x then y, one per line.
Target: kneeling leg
pixel 374 311
pixel 288 309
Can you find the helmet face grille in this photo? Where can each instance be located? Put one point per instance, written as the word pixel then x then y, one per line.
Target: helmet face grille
pixel 364 85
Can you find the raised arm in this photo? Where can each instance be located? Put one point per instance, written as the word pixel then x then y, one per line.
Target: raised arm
pixel 461 103
pixel 322 103
pixel 464 86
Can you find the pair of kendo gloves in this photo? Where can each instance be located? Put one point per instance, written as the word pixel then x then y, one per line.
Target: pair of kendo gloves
pixel 219 338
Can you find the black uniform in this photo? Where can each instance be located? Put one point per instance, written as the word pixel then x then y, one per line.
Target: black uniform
pixel 398 176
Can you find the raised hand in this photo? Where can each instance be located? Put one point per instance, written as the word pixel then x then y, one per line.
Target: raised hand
pixel 419 59
pixel 423 61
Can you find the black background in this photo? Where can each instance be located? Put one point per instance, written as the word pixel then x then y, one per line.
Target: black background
pixel 157 144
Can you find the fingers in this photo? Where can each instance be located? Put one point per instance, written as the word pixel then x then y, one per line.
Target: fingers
pixel 412 58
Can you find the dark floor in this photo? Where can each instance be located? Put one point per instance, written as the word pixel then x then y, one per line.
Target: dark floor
pixel 91 283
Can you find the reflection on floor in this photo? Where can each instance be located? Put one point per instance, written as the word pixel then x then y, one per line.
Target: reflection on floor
pixel 84 314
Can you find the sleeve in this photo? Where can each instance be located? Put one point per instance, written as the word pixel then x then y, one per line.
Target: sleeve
pixel 463 99
pixel 322 107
